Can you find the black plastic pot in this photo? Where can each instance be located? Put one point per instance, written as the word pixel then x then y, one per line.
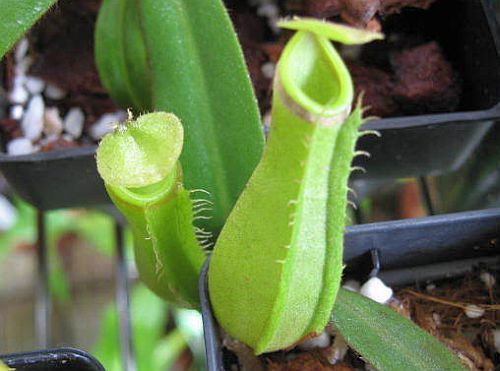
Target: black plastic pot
pixel 406 251
pixel 410 146
pixel 58 179
pixel 63 359
pixel 435 144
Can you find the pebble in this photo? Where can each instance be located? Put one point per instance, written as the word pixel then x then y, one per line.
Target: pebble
pixel 261 2
pixel 351 51
pixel 268 10
pixel 21 50
pixel 22 66
pixel 8 214
pixel 73 122
pixel 320 341
pixel 268 70
pixel 437 319
pixel 266 123
pixel 496 339
pixel 48 139
pixel 20 146
pixel 34 85
pixel 473 311
pixel 52 122
pixel 488 279
pixel 54 92
pixel 32 121
pixel 351 285
pixel 337 351
pixel 376 290
pixel 16 112
pixel 104 124
pixel 68 138
pixel 18 94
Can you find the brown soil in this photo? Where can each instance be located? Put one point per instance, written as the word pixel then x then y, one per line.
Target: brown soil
pixel 438 310
pixel 441 313
pixel 378 88
pixel 424 80
pixel 9 129
pixel 392 75
pixel 311 361
pixel 360 12
pixel 60 143
pixel 63 50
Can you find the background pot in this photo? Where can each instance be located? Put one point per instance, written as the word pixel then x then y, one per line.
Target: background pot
pixel 468 33
pixel 57 179
pixel 63 359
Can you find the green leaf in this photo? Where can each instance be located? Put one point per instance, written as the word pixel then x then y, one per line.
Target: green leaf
pixel 121 55
pixel 182 56
pixel 16 17
pixel 387 340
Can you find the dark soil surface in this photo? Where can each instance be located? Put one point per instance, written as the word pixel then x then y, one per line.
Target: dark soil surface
pixel 440 309
pixel 405 75
pixel 63 49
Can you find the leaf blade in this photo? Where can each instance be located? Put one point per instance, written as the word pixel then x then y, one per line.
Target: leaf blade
pixel 198 72
pixel 16 17
pixel 386 339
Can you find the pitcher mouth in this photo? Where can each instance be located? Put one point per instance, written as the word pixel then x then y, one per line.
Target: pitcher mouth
pixel 316 85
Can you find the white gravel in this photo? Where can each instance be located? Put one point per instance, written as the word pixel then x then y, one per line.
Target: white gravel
pixel 20 146
pixel 18 94
pixel 473 311
pixel 104 124
pixel 34 85
pixel 73 122
pixel 22 66
pixel 320 341
pixel 338 350
pixel 21 50
pixel 351 285
pixel 496 339
pixel 488 279
pixel 16 112
pixel 52 121
pixel 48 139
pixel 54 92
pixel 376 290
pixel 268 69
pixel 268 10
pixel 32 121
